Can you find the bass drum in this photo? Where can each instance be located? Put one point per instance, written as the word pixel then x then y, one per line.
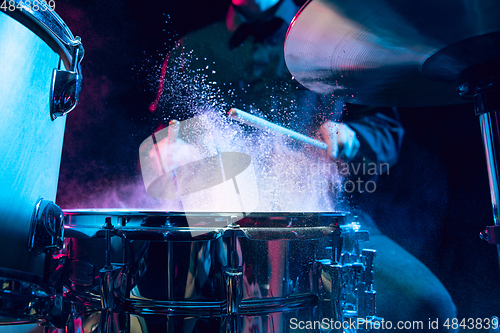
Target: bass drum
pixel 34 91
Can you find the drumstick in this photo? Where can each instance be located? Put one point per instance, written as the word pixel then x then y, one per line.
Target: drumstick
pixel 173 130
pixel 247 118
pixel 173 133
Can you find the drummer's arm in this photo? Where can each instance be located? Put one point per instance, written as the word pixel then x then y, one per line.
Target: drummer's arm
pixel 341 140
pixel 380 136
pixel 373 138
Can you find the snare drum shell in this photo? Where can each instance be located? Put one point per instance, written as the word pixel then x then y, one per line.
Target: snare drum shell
pixel 30 142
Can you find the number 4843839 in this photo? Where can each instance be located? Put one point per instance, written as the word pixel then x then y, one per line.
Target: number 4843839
pixel 472 323
pixel 34 5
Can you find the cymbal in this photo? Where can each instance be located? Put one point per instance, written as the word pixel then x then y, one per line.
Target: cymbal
pixel 392 52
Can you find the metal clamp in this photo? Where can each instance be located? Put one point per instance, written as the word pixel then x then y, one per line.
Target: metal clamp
pixel 66 85
pixel 46 228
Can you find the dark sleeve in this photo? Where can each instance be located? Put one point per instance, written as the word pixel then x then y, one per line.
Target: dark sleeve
pixel 381 135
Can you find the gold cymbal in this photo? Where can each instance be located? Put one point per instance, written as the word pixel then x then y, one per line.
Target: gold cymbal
pixel 392 52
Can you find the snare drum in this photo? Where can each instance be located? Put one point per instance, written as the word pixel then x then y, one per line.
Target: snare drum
pixel 261 265
pixel 33 43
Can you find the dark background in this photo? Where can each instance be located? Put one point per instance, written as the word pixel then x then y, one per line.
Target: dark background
pixel 434 202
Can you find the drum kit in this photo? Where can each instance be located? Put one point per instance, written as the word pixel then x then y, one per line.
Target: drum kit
pixel 139 271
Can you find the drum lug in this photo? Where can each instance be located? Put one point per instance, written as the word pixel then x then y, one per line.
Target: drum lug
pixel 331 291
pixel 113 279
pixel 366 294
pixel 66 85
pixel 348 280
pixel 368 255
pixel 233 273
pixel 234 287
pixel 46 228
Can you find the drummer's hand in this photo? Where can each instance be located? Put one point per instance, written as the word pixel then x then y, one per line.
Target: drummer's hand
pixel 341 140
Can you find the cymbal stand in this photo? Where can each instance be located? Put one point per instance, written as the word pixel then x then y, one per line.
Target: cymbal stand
pixel 485 93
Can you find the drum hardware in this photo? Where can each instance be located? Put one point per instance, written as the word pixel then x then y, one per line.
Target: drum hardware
pixel 233 277
pixel 46 228
pixel 348 278
pixel 357 274
pixel 17 294
pixel 481 84
pixel 329 277
pixel 41 300
pixel 66 85
pixel 96 302
pixel 114 282
pixel 335 285
pixel 233 273
pixel 366 294
pixel 46 235
pixel 108 274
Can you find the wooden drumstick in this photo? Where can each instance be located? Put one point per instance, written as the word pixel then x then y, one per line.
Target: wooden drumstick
pixel 247 118
pixel 173 130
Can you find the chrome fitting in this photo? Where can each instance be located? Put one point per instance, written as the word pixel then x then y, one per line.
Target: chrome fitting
pixel 46 228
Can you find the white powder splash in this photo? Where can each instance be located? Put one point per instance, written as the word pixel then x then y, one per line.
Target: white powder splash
pixel 285 177
pixel 289 177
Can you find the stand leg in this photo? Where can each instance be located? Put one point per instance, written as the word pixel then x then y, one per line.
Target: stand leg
pixel 487 106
